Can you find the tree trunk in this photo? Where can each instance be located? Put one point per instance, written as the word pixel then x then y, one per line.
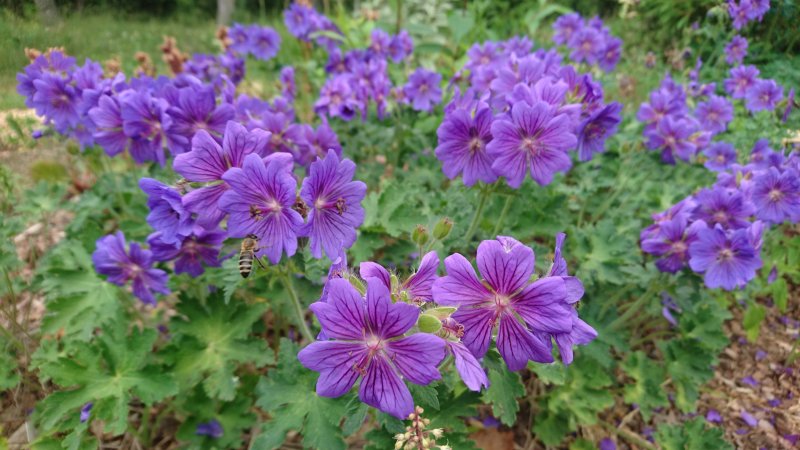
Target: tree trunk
pixel 48 13
pixel 225 11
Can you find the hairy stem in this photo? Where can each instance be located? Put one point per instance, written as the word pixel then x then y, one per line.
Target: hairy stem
pixel 506 207
pixel 473 226
pixel 298 307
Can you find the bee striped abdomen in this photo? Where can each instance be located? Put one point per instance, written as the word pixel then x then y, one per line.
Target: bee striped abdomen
pixel 245 264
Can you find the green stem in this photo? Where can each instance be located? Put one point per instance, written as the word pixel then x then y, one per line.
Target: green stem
pixel 634 308
pixel 473 226
pixel 507 206
pixel 399 21
pixel 298 307
pixel 628 436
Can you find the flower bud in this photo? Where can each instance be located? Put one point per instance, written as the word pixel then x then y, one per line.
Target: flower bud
pixel 442 228
pixel 428 323
pixel 358 284
pixel 442 312
pixel 420 235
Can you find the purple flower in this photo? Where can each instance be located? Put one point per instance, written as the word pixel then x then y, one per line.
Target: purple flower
pixel 462 146
pixel 334 203
pixel 212 429
pixel 533 138
pixel 721 156
pixel 197 110
pixel 337 98
pixel 369 343
pixel 108 126
pixel 776 195
pixel 144 120
pixel 198 249
pixel 468 367
pixel 167 215
pixel 741 13
pixel 422 89
pixel 264 42
pixel 260 200
pixel 56 100
pixel 736 50
pixel 764 95
pixel 611 54
pixel 595 129
pixel 86 412
pixel 379 43
pixel 208 161
pixel 672 136
pixel 314 144
pixel 298 20
pixel 565 27
pixel 727 259
pixel 672 243
pixel 518 46
pixel 750 381
pixel 485 55
pixel 505 298
pixel 773 275
pixel 111 258
pixel 586 44
pixel 726 207
pixel 713 416
pixel 607 444
pixel 748 418
pixel 417 288
pixel 714 113
pixel 401 46
pixel 742 78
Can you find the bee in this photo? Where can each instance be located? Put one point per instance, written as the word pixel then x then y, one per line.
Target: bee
pixel 248 254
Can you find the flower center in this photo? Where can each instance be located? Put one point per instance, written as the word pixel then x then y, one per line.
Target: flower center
pixel 475 145
pixel 501 301
pixel 531 145
pixel 775 195
pixel 679 247
pixel 720 217
pixel 374 344
pixel 725 255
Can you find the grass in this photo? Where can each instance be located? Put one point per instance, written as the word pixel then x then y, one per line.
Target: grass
pixel 96 36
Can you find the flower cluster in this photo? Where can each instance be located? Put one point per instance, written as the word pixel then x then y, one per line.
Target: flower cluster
pixel 132 265
pixel 359 77
pixel 589 41
pixel 147 116
pixel 251 192
pixel 743 12
pixel 307 24
pixel 392 330
pixel 261 42
pixel 521 112
pixel 717 231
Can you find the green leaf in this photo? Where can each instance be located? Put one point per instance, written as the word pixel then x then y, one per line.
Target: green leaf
pixel 753 317
pixel 646 391
pixel 550 428
pixel 691 435
pixel 504 390
pixel 110 374
pixel 211 341
pixel 78 300
pixel 425 396
pixel 288 395
pixel 554 373
pixel 689 365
